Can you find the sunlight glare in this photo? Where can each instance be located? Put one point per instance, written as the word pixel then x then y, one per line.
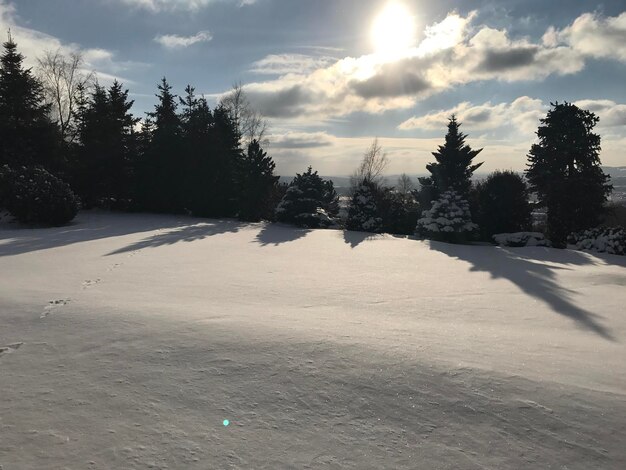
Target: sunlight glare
pixel 393 30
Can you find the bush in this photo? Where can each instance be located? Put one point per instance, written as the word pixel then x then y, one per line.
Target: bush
pixel 34 196
pixel 449 219
pixel 610 240
pixel 502 204
pixel 309 202
pixel 521 239
pixel 363 213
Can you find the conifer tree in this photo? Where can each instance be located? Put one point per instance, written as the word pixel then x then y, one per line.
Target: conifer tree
pixel 307 201
pixel 161 178
pixel 27 136
pixel 363 214
pixel 257 184
pixel 454 165
pixel 564 170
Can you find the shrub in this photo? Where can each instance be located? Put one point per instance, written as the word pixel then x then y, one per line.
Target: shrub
pixel 363 213
pixel 502 204
pixel 449 219
pixel 610 240
pixel 309 202
pixel 521 239
pixel 34 196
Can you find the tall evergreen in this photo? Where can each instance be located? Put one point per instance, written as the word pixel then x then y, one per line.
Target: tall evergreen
pixel 161 178
pixel 257 184
pixel 564 170
pixel 106 153
pixel 454 165
pixel 27 135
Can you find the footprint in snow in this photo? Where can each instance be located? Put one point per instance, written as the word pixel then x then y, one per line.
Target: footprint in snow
pixel 53 305
pixel 90 283
pixel 8 350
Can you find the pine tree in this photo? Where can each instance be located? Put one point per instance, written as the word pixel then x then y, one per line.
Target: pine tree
pixel 363 214
pixel 257 184
pixel 307 201
pixel 161 178
pixel 27 136
pixel 564 170
pixel 106 152
pixel 453 168
pixel 449 219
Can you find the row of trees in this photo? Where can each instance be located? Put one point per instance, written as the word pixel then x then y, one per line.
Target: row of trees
pixel 184 157
pixel 187 157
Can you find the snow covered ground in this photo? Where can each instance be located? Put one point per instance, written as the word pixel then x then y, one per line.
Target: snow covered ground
pixel 127 340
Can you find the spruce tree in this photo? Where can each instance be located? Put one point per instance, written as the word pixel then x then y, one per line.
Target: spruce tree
pixel 454 165
pixel 161 179
pixel 27 135
pixel 256 183
pixel 564 170
pixel 307 202
pixel 363 214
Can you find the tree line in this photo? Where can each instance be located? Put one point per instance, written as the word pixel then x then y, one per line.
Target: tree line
pixel 67 142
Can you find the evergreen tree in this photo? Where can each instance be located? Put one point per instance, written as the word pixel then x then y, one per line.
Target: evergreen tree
pixel 363 214
pixel 161 179
pixel 307 201
pixel 106 153
pixel 502 204
pixel 564 170
pixel 449 219
pixel 257 184
pixel 453 168
pixel 27 136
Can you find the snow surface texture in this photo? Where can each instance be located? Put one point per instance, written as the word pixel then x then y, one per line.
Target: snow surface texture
pixel 127 340
pixel 519 239
pixel 449 214
pixel 600 240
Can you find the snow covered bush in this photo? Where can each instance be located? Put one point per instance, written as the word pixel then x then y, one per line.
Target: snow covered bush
pixel 363 214
pixel 520 239
pixel 309 202
pixel 449 219
pixel 610 240
pixel 34 196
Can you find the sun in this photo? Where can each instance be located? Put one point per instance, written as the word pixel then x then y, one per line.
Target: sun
pixel 393 30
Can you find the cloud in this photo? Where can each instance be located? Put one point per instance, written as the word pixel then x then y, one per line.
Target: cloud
pixel 521 116
pixel 453 52
pixel 283 64
pixel 593 36
pixel 173 41
pixel 301 140
pixel 32 44
pixel 157 6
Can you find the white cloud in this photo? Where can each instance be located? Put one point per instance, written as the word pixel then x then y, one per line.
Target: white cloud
pixel 173 41
pixel 453 52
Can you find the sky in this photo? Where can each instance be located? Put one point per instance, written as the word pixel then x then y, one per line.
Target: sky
pixel 332 75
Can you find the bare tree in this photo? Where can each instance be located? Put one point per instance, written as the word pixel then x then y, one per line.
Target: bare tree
pixel 372 166
pixel 250 122
pixel 63 77
pixel 405 185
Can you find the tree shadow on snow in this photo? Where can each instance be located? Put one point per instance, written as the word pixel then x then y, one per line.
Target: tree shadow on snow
pixel 16 239
pixel 277 234
pixel 534 274
pixel 187 233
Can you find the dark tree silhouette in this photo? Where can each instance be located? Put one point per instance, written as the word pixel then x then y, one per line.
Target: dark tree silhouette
pixel 161 176
pixel 454 165
pixel 503 205
pixel 564 170
pixel 257 184
pixel 107 147
pixel 27 135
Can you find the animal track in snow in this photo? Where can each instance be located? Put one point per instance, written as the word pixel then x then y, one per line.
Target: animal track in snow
pixel 53 305
pixel 9 348
pixel 90 283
